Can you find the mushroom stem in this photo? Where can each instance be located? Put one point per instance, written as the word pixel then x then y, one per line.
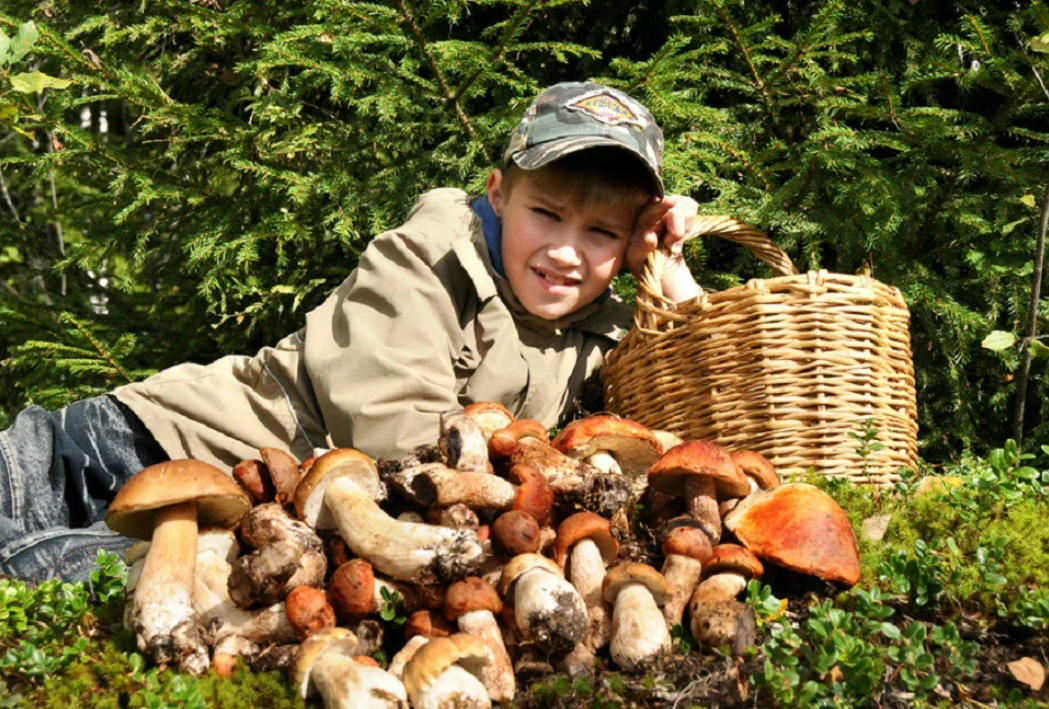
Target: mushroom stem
pixel 702 504
pixel 405 654
pixel 549 610
pixel 498 677
pixel 603 461
pixel 639 631
pixel 344 683
pixel 682 574
pixel 455 687
pixel 165 623
pixel 405 551
pixel 586 569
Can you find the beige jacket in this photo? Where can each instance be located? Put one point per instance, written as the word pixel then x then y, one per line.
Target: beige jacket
pixel 422 325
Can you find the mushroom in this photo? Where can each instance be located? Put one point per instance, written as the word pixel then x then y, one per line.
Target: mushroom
pixel 355 592
pixel 445 674
pixel 717 618
pixel 420 628
pixel 308 611
pixel 463 443
pixel 134 559
pixel 667 439
pixel 255 479
pixel 585 547
pixel 516 532
pixel 230 630
pixel 534 496
pixel 288 554
pixel 457 516
pixel 612 445
pixel 686 550
pixel 340 491
pixel 166 502
pixel 800 527
pixel 473 603
pixel 436 484
pixel 547 609
pixel 503 442
pixel 326 664
pixel 284 472
pixel 490 416
pixel 639 631
pixel 701 472
pixel 573 482
pixel 760 474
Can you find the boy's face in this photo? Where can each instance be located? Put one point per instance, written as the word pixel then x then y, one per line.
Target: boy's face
pixel 558 254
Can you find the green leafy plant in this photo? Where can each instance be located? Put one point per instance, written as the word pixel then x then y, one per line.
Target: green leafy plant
pixel 392 610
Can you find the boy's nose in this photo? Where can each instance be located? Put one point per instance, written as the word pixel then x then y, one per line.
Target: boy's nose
pixel 565 255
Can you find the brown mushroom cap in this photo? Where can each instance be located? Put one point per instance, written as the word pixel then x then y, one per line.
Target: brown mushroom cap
pixel 470 594
pixel 633 446
pixel 489 416
pixel 733 557
pixel 534 494
pixel 308 611
pixel 522 563
pixel 309 494
pixel 505 440
pixel 799 527
pixel 338 640
pixel 756 466
pixel 632 572
pixel 516 532
pixel 704 458
pixel 585 525
pixel 428 624
pixel 221 502
pixel 351 590
pixel 687 541
pixel 439 654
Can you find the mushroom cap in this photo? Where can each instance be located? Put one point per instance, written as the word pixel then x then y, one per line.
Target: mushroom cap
pixel 667 439
pixel 800 527
pixel 704 458
pixel 516 532
pixel 221 502
pixel 585 525
pixel 633 446
pixel 687 541
pixel 504 441
pixel 470 594
pixel 534 494
pixel 489 416
pixel 427 623
pixel 308 611
pixel 755 465
pixel 309 495
pixel 632 572
pixel 733 557
pixel 522 563
pixel 351 590
pixel 439 654
pixel 301 669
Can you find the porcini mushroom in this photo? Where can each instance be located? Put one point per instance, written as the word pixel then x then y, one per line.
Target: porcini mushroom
pixel 356 592
pixel 490 416
pixel 639 631
pixel 445 673
pixel 611 444
pixel 463 443
pixel 436 484
pixel 308 611
pixel 547 609
pixel 717 618
pixel 326 664
pixel 516 532
pixel 165 502
pixel 420 628
pixel 760 473
pixel 686 550
pixel 503 442
pixel 585 547
pixel 700 472
pixel 474 603
pixel 800 527
pixel 339 492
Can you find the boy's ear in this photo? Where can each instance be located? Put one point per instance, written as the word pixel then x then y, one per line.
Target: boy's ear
pixel 494 189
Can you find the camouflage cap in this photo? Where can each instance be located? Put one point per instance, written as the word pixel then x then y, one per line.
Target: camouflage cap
pixel 578 115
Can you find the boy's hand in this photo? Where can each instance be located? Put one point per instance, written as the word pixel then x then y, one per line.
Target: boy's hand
pixel 669 219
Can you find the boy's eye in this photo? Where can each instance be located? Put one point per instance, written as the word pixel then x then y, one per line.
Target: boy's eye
pixel 605 232
pixel 545 213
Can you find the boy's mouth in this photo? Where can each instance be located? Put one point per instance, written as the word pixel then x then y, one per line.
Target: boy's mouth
pixel 555 279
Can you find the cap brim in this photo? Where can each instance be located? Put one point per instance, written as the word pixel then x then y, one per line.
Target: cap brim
pixel 537 156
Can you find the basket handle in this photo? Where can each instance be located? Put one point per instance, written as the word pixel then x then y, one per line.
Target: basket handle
pixel 652 306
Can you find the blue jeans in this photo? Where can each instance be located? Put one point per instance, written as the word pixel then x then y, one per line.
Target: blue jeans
pixel 59 470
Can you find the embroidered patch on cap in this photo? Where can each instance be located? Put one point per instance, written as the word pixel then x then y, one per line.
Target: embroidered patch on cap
pixel 605 107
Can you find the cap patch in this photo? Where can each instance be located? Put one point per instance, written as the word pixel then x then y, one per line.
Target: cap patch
pixel 605 107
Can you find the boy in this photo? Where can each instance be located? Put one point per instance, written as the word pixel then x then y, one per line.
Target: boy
pixel 504 298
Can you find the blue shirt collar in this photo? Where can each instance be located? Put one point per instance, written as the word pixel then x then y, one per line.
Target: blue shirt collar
pixel 493 237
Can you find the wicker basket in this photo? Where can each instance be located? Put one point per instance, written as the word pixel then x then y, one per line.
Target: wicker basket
pixel 786 366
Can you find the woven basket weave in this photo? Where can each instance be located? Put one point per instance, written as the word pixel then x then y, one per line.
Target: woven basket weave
pixel 786 366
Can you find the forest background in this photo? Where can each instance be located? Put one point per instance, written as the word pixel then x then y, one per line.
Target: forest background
pixel 184 179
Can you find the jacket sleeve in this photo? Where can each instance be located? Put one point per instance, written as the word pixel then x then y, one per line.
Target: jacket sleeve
pixel 379 352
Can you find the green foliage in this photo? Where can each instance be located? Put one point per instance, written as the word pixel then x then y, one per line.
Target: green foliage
pixel 393 610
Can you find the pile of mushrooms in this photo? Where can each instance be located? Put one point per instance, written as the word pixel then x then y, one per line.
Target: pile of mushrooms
pixel 507 553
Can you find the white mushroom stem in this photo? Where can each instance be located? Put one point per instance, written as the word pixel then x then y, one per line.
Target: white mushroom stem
pixel 720 587
pixel 603 461
pixel 639 631
pixel 682 574
pixel 702 505
pixel 549 610
pixel 405 551
pixel 497 677
pixel 437 485
pixel 344 683
pixel 134 572
pixel 463 443
pixel 454 688
pixel 586 570
pixel 164 622
pixel 405 654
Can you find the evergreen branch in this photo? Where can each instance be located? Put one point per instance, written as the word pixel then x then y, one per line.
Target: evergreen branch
pixel 69 319
pixel 446 91
pixel 727 19
pixel 496 55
